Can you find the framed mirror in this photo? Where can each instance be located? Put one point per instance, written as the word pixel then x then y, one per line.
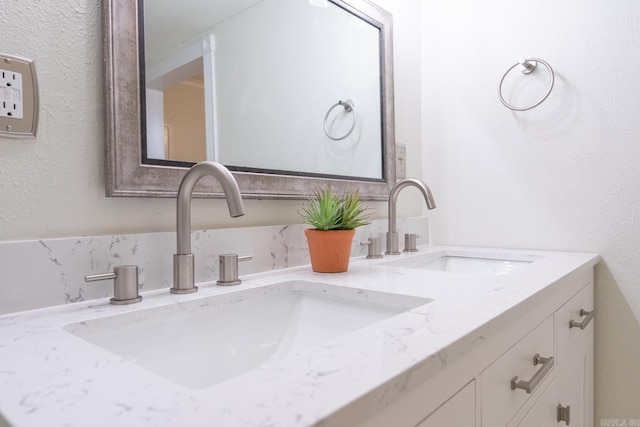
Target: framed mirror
pixel 344 124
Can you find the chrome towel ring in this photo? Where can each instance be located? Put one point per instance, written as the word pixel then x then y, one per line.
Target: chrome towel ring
pixel 527 66
pixel 349 107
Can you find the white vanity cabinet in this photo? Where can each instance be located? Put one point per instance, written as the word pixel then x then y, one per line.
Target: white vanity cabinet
pixel 500 400
pixel 506 387
pixel 569 398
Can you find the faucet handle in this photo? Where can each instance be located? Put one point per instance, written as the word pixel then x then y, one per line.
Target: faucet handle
pixel 229 269
pixel 125 284
pixel 410 244
pixel 374 247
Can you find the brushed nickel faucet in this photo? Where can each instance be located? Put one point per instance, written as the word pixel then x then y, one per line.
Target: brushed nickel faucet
pixel 125 284
pixel 183 276
pixel 392 234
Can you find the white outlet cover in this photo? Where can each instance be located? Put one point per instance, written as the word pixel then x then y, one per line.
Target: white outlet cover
pixel 18 97
pixel 11 94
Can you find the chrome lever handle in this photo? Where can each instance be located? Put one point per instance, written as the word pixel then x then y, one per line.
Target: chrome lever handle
pixel 98 277
pixel 374 247
pixel 536 379
pixel 585 322
pixel 229 269
pixel 410 242
pixel 125 284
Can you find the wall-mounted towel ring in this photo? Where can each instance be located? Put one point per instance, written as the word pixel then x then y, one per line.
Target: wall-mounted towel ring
pixel 527 66
pixel 349 107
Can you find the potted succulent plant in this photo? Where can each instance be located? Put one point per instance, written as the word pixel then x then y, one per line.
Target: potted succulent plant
pixel 334 218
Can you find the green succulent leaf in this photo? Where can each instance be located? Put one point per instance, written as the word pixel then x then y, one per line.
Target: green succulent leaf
pixel 354 214
pixel 330 211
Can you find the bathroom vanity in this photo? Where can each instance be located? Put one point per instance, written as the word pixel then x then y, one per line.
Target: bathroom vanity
pixel 443 336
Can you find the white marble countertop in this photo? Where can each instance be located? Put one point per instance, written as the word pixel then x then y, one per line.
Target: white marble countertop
pixel 51 377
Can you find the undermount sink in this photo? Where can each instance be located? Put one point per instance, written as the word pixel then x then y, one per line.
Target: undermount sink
pixel 204 342
pixel 466 262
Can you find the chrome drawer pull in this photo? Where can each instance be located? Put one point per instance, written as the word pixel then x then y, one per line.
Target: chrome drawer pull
pixel 585 322
pixel 529 386
pixel 564 414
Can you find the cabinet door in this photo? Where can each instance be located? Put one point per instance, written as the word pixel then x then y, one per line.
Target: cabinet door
pixel 542 414
pixel 460 410
pixel 575 312
pixel 571 390
pixel 575 383
pixel 500 402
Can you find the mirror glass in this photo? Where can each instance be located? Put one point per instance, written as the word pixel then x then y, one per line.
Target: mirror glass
pixel 282 92
pixel 272 71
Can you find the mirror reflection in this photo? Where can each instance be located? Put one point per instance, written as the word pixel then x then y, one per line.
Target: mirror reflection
pixel 281 86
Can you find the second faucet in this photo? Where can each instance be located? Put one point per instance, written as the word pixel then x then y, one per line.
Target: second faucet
pixel 392 234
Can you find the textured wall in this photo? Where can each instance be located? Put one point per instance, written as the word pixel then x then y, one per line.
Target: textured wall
pixel 53 185
pixel 562 176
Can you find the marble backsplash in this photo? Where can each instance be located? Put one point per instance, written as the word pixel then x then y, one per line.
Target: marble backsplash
pixel 43 273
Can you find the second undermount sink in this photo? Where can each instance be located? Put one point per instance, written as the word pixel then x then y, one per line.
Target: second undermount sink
pixel 467 262
pixel 203 342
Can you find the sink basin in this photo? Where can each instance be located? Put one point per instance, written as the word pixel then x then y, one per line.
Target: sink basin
pixel 466 262
pixel 204 342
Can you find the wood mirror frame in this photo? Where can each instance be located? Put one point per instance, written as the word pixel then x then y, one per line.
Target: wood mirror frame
pixel 127 176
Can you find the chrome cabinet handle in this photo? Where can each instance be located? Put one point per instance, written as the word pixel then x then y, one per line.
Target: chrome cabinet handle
pixel 564 414
pixel 585 322
pixel 529 386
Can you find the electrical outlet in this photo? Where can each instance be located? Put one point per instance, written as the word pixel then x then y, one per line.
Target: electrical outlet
pixel 10 94
pixel 18 97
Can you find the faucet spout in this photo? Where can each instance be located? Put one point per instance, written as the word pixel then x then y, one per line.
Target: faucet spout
pixel 392 234
pixel 183 277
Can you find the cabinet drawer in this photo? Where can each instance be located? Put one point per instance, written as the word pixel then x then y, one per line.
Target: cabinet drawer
pixel 575 312
pixel 460 410
pixel 571 390
pixel 500 402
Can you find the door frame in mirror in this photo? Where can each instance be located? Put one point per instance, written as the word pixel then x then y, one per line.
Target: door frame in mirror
pixel 127 176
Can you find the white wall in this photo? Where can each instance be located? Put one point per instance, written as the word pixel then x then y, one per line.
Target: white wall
pixel 53 186
pixel 562 176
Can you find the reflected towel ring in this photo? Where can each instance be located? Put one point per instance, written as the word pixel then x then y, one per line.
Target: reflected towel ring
pixel 349 107
pixel 528 65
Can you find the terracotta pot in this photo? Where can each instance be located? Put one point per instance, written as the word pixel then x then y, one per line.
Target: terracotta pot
pixel 329 250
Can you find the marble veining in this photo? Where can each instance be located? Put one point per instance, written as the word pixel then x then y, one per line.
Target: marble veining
pixel 42 273
pixel 51 377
